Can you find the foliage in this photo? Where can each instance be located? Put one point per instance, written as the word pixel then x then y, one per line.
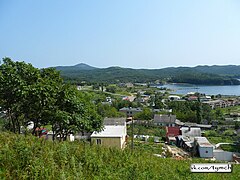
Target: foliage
pixel 150 130
pixel 111 89
pixel 29 94
pixel 74 113
pixel 230 147
pixel 203 78
pixel 119 103
pixel 106 110
pixel 217 136
pixel 158 101
pixel 146 114
pixel 190 111
pixel 149 147
pixel 33 158
pixel 197 75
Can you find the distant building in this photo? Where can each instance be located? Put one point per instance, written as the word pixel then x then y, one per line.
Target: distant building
pixel 164 120
pixel 173 98
pixel 130 111
pixel 216 104
pixel 114 121
pixel 129 85
pixel 193 98
pixel 129 98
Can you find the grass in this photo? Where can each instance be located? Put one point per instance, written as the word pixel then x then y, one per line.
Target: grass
pixel 233 109
pixel 27 157
pixel 149 147
pixel 216 136
pixel 231 148
pixel 147 130
pixel 216 140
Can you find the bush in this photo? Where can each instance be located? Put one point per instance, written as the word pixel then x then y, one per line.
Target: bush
pixel 28 157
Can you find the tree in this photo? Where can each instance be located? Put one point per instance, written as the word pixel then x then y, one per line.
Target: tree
pixel 16 79
pixel 74 113
pixel 111 89
pixel 158 101
pixel 106 110
pixel 199 112
pixel 218 113
pixel 29 94
pixel 146 114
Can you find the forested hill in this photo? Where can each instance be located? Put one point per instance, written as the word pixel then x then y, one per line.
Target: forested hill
pixel 209 75
pixel 230 70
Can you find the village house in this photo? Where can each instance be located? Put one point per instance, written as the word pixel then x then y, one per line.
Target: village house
pixel 113 134
pixel 130 111
pixel 174 98
pixel 186 139
pixel 216 103
pixel 164 120
pixel 129 85
pixel 192 98
pixel 114 121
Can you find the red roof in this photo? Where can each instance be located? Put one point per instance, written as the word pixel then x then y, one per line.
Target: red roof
pixel 193 98
pixel 172 131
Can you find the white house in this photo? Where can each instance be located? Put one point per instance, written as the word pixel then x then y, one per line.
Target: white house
pixel 173 98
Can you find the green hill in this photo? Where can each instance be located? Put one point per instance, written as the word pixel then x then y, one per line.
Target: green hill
pixel 230 70
pixel 209 75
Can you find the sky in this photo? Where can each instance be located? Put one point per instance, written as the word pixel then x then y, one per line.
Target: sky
pixel 136 34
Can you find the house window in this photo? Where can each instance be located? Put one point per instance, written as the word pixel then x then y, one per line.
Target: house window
pixel 99 141
pixel 206 151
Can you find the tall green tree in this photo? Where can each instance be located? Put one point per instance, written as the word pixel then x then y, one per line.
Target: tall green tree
pixel 29 94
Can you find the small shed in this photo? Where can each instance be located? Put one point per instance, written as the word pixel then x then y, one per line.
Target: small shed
pixel 221 155
pixel 111 136
pixel 205 149
pixel 171 133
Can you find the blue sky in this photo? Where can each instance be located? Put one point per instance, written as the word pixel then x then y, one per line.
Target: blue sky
pixel 136 33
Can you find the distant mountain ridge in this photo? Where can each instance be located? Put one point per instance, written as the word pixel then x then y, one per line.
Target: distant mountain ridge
pixel 80 66
pixel 231 70
pixel 212 75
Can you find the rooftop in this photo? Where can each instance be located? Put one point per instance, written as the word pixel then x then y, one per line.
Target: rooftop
pixel 111 131
pixel 191 131
pixel 130 109
pixel 114 121
pixel 203 142
pixel 163 118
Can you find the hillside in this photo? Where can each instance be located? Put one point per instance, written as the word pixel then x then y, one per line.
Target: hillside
pixel 28 157
pixel 230 70
pixel 80 66
pixel 209 75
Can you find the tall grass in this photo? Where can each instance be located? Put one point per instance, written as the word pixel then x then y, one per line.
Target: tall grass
pixel 28 157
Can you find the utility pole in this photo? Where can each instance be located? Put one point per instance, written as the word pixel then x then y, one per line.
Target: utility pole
pixel 132 135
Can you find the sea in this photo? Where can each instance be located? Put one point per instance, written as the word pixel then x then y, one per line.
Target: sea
pixel 182 88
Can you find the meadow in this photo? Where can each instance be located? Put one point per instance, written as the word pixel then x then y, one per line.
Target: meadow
pixel 28 157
